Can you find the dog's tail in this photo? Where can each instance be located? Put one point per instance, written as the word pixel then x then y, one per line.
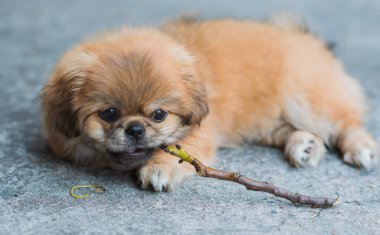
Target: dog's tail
pixel 289 22
pixel 292 22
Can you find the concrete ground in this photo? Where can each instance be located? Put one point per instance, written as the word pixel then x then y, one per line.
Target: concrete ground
pixel 34 185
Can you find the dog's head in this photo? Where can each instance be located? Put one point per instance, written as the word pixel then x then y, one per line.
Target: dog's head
pixel 125 94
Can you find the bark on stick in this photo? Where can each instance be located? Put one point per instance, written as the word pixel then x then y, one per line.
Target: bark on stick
pixel 250 184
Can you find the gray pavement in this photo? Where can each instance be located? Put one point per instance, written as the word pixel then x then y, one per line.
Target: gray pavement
pixel 34 185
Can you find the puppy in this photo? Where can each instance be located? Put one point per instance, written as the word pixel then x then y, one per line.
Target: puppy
pixel 114 99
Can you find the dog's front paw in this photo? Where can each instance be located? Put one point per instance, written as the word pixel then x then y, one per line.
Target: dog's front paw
pixel 161 176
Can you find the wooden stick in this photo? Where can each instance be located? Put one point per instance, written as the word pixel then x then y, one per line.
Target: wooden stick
pixel 250 184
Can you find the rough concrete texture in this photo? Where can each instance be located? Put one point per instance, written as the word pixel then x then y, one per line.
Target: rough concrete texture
pixel 34 185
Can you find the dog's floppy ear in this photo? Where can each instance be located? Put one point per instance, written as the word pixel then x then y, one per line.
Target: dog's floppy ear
pixel 199 106
pixel 58 97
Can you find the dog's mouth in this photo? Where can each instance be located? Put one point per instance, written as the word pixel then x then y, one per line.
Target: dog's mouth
pixel 132 154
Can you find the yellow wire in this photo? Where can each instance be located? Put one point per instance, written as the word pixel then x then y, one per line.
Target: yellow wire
pixel 97 189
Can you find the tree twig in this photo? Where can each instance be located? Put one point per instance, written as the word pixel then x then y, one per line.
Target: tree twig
pixel 250 184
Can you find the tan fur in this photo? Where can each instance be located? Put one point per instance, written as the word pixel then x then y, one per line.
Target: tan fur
pixel 272 85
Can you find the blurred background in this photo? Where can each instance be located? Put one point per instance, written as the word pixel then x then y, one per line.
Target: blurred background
pixel 34 184
pixel 34 34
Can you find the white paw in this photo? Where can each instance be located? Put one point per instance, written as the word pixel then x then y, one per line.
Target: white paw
pixel 365 157
pixel 304 149
pixel 161 177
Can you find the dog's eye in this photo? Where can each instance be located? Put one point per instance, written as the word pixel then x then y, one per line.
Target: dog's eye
pixel 159 115
pixel 109 115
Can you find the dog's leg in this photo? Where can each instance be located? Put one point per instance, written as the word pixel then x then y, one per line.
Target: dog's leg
pixel 301 148
pixel 304 149
pixel 358 147
pixel 163 172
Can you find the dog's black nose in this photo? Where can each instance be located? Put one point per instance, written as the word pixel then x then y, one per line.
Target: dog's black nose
pixel 135 130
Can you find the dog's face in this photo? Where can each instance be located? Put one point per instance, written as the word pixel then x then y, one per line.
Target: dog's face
pixel 125 100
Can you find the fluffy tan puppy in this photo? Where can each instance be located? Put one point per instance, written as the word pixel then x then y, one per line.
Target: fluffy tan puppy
pixel 114 99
